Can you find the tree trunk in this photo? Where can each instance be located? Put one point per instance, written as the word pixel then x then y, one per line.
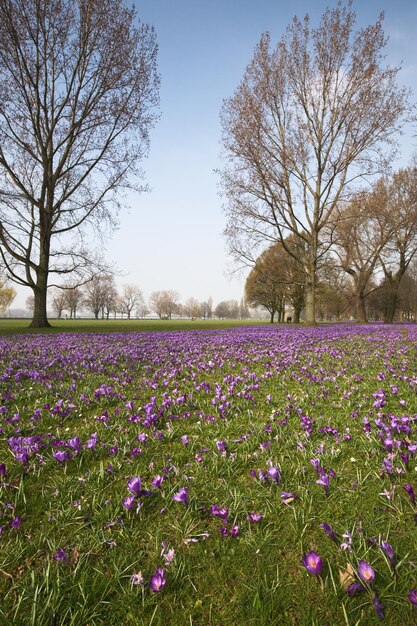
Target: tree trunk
pixel 310 307
pixel 297 313
pixel 272 316
pixel 310 271
pixel 392 297
pixel 361 316
pixel 40 317
pixel 40 290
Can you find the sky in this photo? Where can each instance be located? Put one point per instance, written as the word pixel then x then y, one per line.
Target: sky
pixel 172 237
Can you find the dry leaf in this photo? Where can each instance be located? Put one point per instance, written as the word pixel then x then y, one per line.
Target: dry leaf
pixel 347 577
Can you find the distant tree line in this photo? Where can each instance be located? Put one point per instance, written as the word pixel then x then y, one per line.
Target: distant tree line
pixel 101 299
pixel 367 261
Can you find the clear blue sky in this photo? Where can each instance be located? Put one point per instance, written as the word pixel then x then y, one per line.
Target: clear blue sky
pixel 171 238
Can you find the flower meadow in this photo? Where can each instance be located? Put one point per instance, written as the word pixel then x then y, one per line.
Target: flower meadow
pixel 255 475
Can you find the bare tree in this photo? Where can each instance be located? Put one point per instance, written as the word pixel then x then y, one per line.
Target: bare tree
pixel 192 308
pixel 78 86
pixel 207 309
pixel 334 292
pixel 401 248
pixel 361 232
pixel 59 301
pixel 309 118
pixel 164 303
pixel 130 298
pixel 99 294
pixel 227 309
pixel 73 298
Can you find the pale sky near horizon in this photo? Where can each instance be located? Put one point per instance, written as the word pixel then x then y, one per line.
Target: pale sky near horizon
pixel 171 237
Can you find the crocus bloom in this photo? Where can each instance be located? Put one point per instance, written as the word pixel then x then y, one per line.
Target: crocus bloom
pixel 378 607
pixel 254 517
pixel 74 444
pixel 181 496
pixel 221 447
pixel 412 596
pixel 223 513
pixel 409 489
pixel 60 456
pixel 168 556
pixel 387 548
pixel 128 502
pixel 137 579
pixel 313 563
pixel 158 580
pixel 329 530
pixel 287 497
pixel 184 440
pixel 365 572
pixel 16 522
pixel 273 472
pixel 355 588
pixel 135 485
pixel 324 480
pixel 157 481
pixel 60 555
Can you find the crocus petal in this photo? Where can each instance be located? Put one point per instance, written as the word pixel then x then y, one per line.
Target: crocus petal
pixel 313 563
pixel 365 572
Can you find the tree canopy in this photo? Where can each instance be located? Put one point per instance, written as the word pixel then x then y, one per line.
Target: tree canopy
pixel 78 91
pixel 310 116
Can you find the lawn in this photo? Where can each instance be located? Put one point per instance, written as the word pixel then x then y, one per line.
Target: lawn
pixel 258 475
pixel 18 326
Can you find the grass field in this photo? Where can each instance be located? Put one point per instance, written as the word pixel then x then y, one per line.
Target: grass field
pixel 12 326
pixel 256 475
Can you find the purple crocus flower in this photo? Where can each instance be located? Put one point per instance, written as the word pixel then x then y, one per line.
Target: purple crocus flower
pixel 254 517
pixel 410 491
pixel 74 444
pixel 234 531
pixel 158 580
pixel 313 563
pixel 135 485
pixel 181 496
pixel 60 456
pixel 273 472
pixel 128 502
pixel 137 579
pixel 288 497
pixel 168 556
pixel 329 530
pixel 16 522
pixel 387 548
pixel 412 596
pixel 223 512
pixel 157 481
pixel 365 572
pixel 60 555
pixel 324 480
pixel 315 463
pixel 184 440
pixel 221 447
pixel 378 607
pixel 355 588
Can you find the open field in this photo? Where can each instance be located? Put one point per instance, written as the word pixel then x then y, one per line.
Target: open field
pixel 13 326
pixel 256 475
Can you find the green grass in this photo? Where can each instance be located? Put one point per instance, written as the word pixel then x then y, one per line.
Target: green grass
pixel 250 388
pixel 19 326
